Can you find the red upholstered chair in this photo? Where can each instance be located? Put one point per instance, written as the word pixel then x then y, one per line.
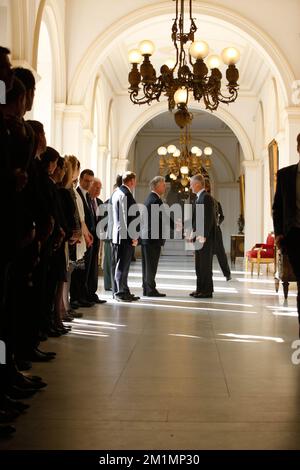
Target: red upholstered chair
pixel 262 253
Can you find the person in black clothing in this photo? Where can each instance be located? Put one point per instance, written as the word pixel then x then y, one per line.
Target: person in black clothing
pixel 152 241
pixel 79 279
pixel 123 241
pixel 219 249
pixel 286 217
pixel 206 240
pixel 92 281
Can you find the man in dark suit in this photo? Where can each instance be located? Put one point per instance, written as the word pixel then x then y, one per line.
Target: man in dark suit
pixel 152 237
pixel 204 236
pixel 123 239
pixel 219 249
pixel 92 278
pixel 286 217
pixel 79 285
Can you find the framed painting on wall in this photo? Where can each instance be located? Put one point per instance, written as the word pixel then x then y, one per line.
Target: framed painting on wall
pixel 273 168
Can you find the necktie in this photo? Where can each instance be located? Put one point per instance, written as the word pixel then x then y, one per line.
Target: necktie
pixel 94 204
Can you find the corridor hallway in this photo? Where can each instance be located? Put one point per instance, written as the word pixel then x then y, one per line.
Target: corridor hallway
pixel 173 373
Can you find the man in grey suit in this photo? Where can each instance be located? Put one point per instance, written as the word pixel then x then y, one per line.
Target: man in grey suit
pixel 123 243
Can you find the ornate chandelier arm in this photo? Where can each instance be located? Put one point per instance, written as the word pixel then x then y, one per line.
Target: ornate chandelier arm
pixel 233 93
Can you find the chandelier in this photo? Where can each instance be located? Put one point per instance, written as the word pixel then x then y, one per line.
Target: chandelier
pixel 180 164
pixel 188 73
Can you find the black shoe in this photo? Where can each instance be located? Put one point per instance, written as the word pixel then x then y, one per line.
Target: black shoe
pixel 204 295
pixel 109 289
pixel 37 356
pixel 6 431
pixel 95 299
pixel 10 404
pixel 74 305
pixel 6 416
pixel 23 365
pixel 74 314
pixel 123 298
pixel 16 393
pixel 134 298
pixel 85 303
pixel 155 294
pixel 193 294
pixel 48 353
pixel 53 333
pixel 228 278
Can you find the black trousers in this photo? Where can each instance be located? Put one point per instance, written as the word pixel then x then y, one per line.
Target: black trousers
pixel 292 243
pixel 220 253
pixel 122 256
pixel 203 265
pixel 92 273
pixel 107 265
pixel 79 279
pixel 150 259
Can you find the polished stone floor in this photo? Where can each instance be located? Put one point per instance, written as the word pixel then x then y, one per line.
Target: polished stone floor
pixel 173 373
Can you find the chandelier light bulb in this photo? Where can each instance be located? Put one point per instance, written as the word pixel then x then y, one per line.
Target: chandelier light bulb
pixel 199 49
pixel 213 62
pixel 230 55
pixel 134 56
pixel 198 154
pixel 173 177
pixel 184 170
pixel 176 153
pixel 181 95
pixel 186 189
pixel 170 63
pixel 172 148
pixel 208 151
pixel 195 150
pixel 146 47
pixel 162 151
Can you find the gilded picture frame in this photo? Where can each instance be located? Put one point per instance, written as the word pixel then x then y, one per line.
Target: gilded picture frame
pixel 273 168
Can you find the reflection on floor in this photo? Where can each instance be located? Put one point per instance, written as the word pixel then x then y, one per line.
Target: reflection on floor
pixel 173 373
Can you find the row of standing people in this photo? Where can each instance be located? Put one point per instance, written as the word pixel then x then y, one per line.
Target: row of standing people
pixel 120 249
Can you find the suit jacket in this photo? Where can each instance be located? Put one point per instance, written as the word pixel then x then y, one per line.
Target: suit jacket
pixel 89 217
pixel 122 201
pixel 147 230
pixel 209 216
pixel 284 206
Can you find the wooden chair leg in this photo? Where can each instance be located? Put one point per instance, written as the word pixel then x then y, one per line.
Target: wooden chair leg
pixel 267 269
pixel 258 269
pixel 252 268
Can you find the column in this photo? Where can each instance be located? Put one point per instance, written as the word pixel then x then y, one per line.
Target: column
pixel 102 173
pixel 72 136
pixel 288 153
pixel 253 203
pixel 59 109
pixel 87 150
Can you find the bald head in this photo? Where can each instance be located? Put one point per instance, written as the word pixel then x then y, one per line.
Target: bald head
pixel 95 188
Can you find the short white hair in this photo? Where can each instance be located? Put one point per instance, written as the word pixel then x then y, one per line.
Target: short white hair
pixel 155 182
pixel 199 178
